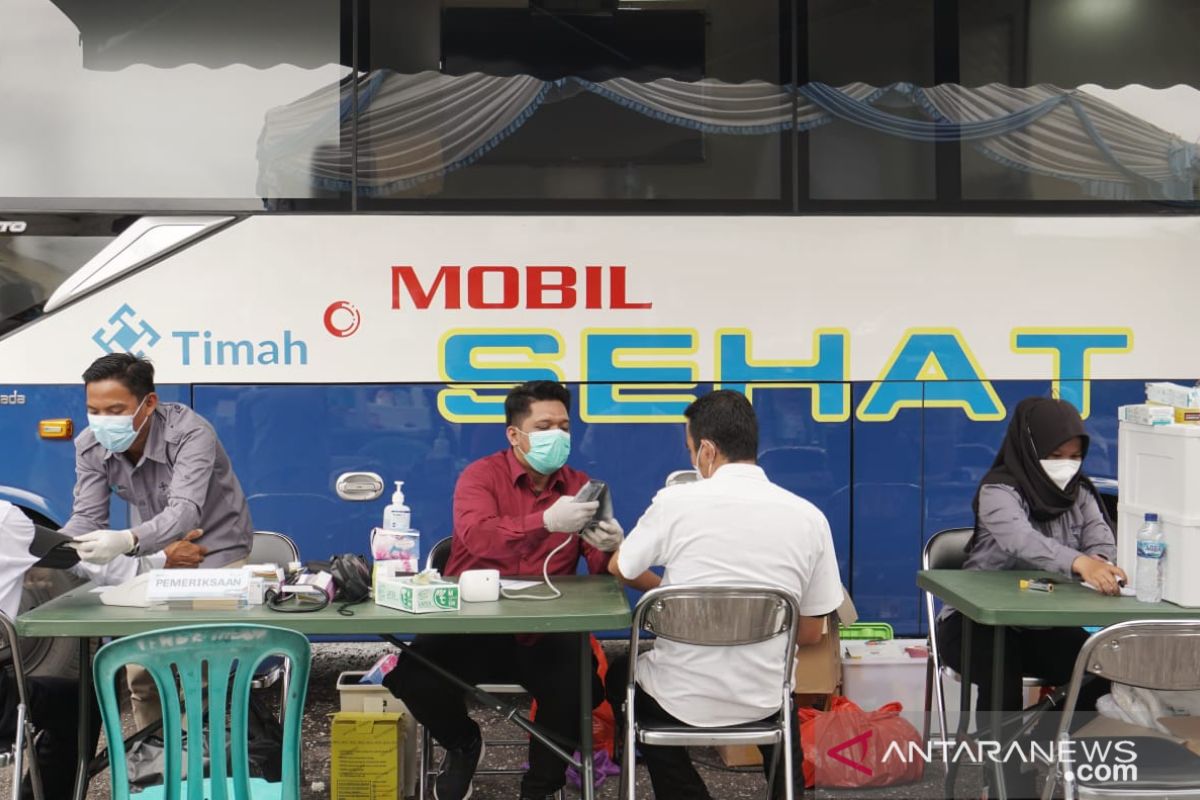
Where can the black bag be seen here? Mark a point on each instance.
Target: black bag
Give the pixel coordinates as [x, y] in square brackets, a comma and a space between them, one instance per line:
[264, 748]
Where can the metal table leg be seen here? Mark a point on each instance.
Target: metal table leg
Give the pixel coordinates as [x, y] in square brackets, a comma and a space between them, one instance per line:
[85, 718]
[587, 785]
[964, 702]
[997, 704]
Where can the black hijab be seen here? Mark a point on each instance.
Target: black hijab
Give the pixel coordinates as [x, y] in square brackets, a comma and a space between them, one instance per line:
[1038, 426]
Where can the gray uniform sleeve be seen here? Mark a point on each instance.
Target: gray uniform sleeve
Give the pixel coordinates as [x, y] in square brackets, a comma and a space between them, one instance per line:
[185, 496]
[89, 510]
[1096, 538]
[1004, 515]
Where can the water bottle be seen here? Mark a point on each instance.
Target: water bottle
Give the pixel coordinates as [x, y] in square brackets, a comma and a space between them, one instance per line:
[1150, 551]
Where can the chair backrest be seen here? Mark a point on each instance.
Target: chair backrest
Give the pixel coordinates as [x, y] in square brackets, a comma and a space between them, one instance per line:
[439, 555]
[946, 549]
[1147, 653]
[682, 476]
[187, 655]
[269, 547]
[718, 616]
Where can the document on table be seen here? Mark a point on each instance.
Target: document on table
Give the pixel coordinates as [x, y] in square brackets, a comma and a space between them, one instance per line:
[518, 585]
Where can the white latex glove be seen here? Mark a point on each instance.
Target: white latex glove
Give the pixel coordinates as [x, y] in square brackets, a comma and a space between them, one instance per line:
[605, 535]
[568, 516]
[101, 547]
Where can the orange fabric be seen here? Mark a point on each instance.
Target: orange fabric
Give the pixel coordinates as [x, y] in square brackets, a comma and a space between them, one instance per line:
[604, 724]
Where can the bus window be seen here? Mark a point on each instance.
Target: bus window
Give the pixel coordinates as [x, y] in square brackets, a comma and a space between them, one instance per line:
[32, 266]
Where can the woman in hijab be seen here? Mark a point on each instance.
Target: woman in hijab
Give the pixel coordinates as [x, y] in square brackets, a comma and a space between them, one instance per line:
[1036, 510]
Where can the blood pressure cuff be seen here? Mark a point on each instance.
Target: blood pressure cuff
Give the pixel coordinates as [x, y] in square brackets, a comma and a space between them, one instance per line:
[52, 549]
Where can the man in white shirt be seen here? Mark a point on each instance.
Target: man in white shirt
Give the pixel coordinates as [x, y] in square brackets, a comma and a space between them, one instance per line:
[732, 526]
[53, 701]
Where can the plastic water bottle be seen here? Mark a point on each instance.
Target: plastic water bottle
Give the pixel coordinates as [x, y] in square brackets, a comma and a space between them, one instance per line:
[1150, 551]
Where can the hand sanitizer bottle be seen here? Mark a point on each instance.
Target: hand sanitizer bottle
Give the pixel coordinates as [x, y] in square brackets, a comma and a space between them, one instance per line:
[397, 516]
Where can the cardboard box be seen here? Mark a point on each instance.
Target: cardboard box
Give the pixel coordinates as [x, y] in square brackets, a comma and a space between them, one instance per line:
[367, 758]
[375, 699]
[417, 598]
[818, 671]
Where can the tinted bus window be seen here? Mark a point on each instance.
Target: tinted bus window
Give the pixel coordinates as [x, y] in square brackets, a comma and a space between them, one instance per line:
[32, 265]
[132, 105]
[613, 103]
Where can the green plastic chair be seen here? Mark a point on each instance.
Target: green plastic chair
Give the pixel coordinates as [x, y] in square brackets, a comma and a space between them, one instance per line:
[191, 652]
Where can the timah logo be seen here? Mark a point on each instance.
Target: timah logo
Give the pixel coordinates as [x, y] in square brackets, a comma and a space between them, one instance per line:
[126, 332]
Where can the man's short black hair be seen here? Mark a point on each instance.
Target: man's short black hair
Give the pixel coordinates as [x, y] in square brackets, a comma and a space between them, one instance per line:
[520, 398]
[134, 373]
[727, 420]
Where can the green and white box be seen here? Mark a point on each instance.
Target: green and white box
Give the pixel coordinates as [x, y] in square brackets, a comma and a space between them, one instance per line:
[417, 598]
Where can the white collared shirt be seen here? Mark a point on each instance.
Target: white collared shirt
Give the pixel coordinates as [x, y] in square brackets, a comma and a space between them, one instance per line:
[16, 533]
[735, 527]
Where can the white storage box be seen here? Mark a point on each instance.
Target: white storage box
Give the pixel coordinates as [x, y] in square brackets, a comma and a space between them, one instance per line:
[877, 673]
[375, 699]
[1182, 559]
[1158, 469]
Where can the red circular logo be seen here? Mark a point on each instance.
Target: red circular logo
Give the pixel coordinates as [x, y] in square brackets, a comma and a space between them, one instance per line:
[342, 319]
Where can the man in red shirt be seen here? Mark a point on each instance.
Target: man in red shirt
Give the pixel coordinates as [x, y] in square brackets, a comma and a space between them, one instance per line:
[511, 510]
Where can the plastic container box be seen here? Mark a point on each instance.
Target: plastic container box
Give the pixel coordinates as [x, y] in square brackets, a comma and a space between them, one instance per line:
[875, 673]
[1158, 469]
[1182, 559]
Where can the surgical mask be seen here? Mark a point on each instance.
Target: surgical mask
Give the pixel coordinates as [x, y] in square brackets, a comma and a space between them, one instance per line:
[1060, 470]
[696, 465]
[548, 450]
[116, 433]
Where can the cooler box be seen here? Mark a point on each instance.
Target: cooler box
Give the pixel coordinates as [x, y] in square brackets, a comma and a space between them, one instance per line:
[374, 699]
[1159, 471]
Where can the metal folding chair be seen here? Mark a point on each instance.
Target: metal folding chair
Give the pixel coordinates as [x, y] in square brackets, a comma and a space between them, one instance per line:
[437, 559]
[269, 547]
[22, 746]
[1146, 653]
[946, 549]
[714, 616]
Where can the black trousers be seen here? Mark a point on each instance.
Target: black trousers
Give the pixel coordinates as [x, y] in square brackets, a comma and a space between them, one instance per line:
[1047, 654]
[547, 667]
[672, 774]
[54, 709]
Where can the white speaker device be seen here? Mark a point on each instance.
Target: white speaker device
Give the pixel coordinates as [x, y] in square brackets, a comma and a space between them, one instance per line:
[479, 585]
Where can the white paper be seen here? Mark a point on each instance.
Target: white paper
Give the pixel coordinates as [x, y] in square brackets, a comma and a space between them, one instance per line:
[518, 585]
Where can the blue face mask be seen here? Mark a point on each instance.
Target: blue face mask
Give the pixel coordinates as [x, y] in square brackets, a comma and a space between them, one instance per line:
[116, 433]
[548, 450]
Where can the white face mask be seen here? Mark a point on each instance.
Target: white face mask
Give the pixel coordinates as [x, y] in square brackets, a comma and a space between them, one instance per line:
[1060, 470]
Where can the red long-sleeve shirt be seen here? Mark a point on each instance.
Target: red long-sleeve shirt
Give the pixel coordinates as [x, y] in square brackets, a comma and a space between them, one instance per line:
[498, 521]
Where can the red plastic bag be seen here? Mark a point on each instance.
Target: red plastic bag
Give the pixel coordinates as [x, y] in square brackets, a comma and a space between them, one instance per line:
[604, 724]
[848, 748]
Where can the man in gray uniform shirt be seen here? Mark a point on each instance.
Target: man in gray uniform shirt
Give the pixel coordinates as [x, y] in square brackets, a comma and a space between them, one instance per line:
[166, 461]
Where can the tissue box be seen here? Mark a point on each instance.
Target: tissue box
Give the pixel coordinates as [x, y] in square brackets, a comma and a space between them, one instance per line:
[402, 547]
[1146, 414]
[1172, 394]
[417, 598]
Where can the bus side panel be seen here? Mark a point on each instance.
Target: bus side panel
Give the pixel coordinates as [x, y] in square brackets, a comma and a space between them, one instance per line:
[887, 516]
[39, 474]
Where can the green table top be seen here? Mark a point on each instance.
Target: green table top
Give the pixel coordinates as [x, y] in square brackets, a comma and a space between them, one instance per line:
[995, 598]
[589, 603]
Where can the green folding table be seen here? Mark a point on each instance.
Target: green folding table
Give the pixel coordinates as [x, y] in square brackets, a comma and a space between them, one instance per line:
[588, 603]
[995, 598]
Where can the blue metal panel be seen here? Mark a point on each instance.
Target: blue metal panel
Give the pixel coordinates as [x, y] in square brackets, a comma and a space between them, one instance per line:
[886, 517]
[39, 474]
[809, 458]
[958, 451]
